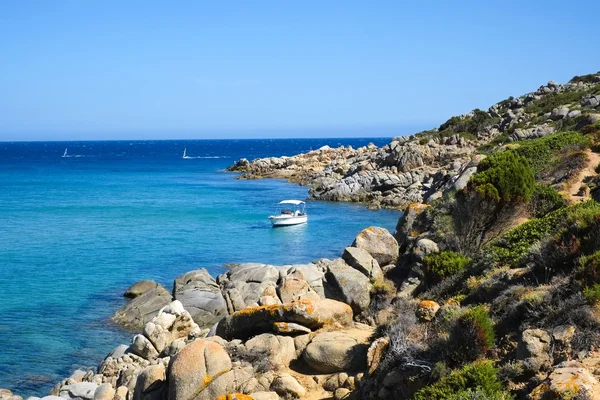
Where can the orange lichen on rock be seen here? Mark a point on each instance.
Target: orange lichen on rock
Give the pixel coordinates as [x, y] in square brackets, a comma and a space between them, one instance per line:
[427, 309]
[236, 396]
[417, 207]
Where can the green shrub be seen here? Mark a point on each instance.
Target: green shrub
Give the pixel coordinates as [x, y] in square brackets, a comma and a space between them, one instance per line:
[445, 263]
[592, 294]
[589, 78]
[504, 177]
[479, 376]
[550, 101]
[472, 336]
[511, 247]
[544, 153]
[469, 125]
[497, 141]
[544, 200]
[589, 269]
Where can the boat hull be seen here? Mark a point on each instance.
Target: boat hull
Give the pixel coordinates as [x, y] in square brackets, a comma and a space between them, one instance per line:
[287, 221]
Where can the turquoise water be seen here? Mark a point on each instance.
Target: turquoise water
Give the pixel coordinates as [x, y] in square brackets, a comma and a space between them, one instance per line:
[75, 232]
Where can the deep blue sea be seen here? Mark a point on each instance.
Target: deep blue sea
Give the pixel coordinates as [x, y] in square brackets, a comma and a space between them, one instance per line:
[76, 231]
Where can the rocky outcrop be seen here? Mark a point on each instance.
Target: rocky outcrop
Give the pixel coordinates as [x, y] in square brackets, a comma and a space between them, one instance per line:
[362, 261]
[534, 350]
[244, 284]
[402, 172]
[199, 293]
[348, 285]
[139, 288]
[140, 310]
[343, 350]
[420, 168]
[199, 371]
[261, 319]
[570, 380]
[379, 243]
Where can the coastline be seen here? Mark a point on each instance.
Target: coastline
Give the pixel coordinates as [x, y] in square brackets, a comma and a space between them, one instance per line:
[301, 304]
[459, 300]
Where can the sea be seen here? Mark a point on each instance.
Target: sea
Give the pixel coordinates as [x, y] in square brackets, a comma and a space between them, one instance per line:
[77, 230]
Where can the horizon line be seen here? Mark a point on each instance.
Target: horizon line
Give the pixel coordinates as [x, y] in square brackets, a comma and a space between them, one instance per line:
[204, 139]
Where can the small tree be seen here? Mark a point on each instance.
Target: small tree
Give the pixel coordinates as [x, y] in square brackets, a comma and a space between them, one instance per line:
[493, 197]
[472, 336]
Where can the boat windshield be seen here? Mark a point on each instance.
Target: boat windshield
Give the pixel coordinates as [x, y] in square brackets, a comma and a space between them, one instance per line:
[295, 211]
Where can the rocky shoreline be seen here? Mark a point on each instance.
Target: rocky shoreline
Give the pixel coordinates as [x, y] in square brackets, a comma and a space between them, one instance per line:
[256, 332]
[490, 292]
[420, 168]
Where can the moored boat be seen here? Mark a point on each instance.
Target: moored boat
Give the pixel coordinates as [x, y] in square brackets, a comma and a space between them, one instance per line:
[291, 212]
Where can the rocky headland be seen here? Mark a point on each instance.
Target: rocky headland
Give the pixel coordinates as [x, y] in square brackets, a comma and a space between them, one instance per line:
[419, 168]
[488, 289]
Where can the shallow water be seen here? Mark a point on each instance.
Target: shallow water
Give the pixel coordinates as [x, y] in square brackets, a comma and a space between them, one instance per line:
[76, 231]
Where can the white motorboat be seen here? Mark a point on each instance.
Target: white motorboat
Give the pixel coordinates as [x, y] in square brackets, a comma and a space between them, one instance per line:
[291, 212]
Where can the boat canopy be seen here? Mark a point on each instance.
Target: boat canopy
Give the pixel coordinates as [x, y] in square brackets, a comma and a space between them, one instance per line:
[295, 202]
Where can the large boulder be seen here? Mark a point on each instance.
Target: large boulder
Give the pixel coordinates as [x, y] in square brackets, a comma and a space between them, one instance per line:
[200, 296]
[294, 287]
[104, 392]
[424, 247]
[534, 350]
[568, 381]
[195, 372]
[260, 319]
[151, 383]
[83, 390]
[379, 243]
[243, 284]
[338, 351]
[139, 288]
[361, 260]
[279, 351]
[287, 386]
[411, 224]
[173, 322]
[349, 285]
[312, 274]
[136, 313]
[559, 113]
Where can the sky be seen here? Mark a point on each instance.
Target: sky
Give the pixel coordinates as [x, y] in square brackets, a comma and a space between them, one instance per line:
[82, 69]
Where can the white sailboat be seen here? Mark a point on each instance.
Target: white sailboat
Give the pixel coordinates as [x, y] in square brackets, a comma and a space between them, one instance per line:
[65, 155]
[185, 154]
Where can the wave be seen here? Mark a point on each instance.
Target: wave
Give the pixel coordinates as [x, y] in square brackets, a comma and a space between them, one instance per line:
[189, 157]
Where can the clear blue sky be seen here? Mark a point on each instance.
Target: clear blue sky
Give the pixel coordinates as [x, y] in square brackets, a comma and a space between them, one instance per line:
[192, 69]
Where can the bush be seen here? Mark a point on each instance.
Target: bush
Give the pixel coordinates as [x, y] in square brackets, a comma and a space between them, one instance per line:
[492, 199]
[550, 101]
[505, 177]
[446, 263]
[472, 336]
[589, 269]
[469, 125]
[406, 337]
[592, 294]
[512, 247]
[544, 200]
[589, 78]
[544, 153]
[481, 377]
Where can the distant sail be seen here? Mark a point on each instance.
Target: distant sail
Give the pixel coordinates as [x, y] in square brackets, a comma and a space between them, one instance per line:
[65, 154]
